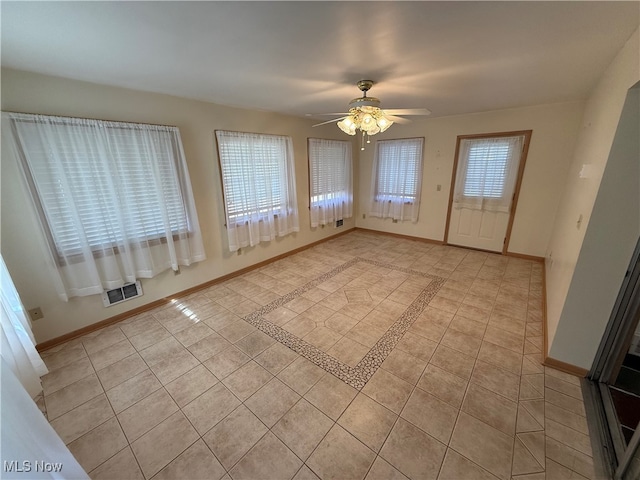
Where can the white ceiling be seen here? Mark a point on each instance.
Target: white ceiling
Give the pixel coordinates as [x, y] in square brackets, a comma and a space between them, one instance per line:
[301, 57]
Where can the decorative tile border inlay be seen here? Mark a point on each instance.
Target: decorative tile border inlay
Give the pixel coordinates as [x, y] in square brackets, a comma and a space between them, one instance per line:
[359, 375]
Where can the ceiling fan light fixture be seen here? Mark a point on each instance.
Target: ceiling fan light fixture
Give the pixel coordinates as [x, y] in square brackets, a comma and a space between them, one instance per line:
[384, 123]
[348, 125]
[368, 119]
[373, 129]
[367, 123]
[366, 116]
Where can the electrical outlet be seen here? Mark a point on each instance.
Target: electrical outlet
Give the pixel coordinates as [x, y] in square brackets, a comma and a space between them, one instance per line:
[35, 313]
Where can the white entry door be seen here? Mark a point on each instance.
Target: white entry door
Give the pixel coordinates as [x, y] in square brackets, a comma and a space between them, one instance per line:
[483, 200]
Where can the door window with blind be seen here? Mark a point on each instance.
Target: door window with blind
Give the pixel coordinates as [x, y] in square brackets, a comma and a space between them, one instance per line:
[487, 172]
[114, 198]
[397, 179]
[258, 180]
[330, 179]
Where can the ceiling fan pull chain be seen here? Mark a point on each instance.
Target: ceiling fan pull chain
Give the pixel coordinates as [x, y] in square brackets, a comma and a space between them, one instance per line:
[362, 141]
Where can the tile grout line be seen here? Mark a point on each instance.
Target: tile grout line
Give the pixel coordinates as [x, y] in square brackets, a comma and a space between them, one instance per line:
[467, 391]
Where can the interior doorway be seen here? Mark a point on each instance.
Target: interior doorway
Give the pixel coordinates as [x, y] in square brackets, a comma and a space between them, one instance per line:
[486, 179]
[613, 384]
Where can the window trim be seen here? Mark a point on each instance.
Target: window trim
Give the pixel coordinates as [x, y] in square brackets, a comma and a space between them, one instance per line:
[96, 251]
[516, 191]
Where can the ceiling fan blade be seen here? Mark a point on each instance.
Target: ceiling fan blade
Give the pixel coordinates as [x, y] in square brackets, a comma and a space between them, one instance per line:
[400, 120]
[328, 121]
[323, 114]
[408, 111]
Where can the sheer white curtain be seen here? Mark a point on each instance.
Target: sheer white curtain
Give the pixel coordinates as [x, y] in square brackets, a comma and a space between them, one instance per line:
[397, 179]
[26, 436]
[258, 179]
[18, 345]
[114, 199]
[487, 171]
[330, 171]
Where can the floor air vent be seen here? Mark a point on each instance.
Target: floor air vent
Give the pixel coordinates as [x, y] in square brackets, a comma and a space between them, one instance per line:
[122, 294]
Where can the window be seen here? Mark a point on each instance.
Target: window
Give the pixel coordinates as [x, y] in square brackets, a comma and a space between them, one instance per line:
[330, 170]
[258, 180]
[486, 172]
[397, 177]
[105, 189]
[78, 171]
[487, 163]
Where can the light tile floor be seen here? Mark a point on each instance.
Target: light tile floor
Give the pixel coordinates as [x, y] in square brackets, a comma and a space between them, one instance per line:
[434, 354]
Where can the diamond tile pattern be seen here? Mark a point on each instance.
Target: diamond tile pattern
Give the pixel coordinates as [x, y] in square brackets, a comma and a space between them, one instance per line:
[366, 356]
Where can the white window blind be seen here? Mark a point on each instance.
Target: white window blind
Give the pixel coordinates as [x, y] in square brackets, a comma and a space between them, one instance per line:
[397, 177]
[258, 180]
[330, 178]
[107, 189]
[486, 173]
[251, 186]
[80, 173]
[486, 168]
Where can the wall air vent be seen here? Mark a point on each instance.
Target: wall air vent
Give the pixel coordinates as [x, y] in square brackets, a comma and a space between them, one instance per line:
[121, 294]
[339, 223]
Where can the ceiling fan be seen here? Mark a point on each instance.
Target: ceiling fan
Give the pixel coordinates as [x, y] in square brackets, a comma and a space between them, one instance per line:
[366, 115]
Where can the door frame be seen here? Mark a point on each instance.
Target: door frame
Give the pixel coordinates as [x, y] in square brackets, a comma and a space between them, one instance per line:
[516, 192]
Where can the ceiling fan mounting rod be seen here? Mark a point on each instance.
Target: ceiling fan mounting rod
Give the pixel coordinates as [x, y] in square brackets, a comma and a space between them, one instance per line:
[364, 86]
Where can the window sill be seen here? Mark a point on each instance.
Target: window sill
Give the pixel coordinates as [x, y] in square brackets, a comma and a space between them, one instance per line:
[110, 250]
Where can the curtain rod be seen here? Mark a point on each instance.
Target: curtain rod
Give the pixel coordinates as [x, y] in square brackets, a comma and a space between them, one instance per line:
[86, 118]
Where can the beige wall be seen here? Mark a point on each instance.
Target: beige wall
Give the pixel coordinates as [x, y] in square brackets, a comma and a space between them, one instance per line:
[21, 243]
[582, 316]
[555, 129]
